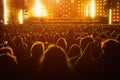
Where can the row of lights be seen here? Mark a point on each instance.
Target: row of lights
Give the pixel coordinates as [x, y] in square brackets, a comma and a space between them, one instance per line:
[38, 6]
[58, 1]
[116, 13]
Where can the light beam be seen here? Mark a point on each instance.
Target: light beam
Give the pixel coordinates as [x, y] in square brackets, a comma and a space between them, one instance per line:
[39, 10]
[21, 17]
[92, 8]
[86, 11]
[110, 16]
[5, 12]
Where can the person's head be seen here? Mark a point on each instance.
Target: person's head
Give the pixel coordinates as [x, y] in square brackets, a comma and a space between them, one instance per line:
[110, 47]
[74, 50]
[6, 49]
[56, 37]
[8, 63]
[85, 41]
[18, 40]
[62, 43]
[7, 60]
[8, 66]
[78, 40]
[55, 61]
[111, 54]
[37, 49]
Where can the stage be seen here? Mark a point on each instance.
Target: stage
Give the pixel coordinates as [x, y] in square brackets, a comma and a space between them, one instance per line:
[99, 20]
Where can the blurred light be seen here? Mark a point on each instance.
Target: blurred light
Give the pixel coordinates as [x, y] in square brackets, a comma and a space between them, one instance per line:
[72, 1]
[39, 10]
[1, 21]
[57, 1]
[26, 16]
[86, 11]
[5, 12]
[110, 16]
[21, 16]
[117, 16]
[117, 13]
[92, 8]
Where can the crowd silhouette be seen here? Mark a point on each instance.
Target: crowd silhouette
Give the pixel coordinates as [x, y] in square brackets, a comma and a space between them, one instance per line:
[59, 52]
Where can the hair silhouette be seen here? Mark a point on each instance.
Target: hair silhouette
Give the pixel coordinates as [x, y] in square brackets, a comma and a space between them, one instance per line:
[55, 64]
[37, 49]
[62, 43]
[8, 65]
[74, 52]
[6, 49]
[85, 41]
[111, 58]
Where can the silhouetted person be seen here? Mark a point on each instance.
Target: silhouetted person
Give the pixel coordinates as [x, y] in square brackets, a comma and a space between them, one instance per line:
[94, 50]
[55, 64]
[7, 49]
[78, 39]
[62, 43]
[31, 66]
[21, 50]
[86, 67]
[74, 52]
[8, 65]
[56, 37]
[85, 41]
[111, 59]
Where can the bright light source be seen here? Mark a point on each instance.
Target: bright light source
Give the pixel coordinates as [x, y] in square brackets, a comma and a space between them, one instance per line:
[92, 8]
[21, 16]
[5, 12]
[110, 16]
[72, 1]
[39, 10]
[86, 11]
[57, 1]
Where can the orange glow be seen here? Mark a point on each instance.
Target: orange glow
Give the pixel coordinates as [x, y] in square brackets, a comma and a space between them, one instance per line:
[92, 8]
[39, 9]
[72, 1]
[5, 12]
[86, 11]
[21, 16]
[110, 16]
[57, 1]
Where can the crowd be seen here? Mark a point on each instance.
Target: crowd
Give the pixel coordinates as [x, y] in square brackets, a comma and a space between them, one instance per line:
[59, 52]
